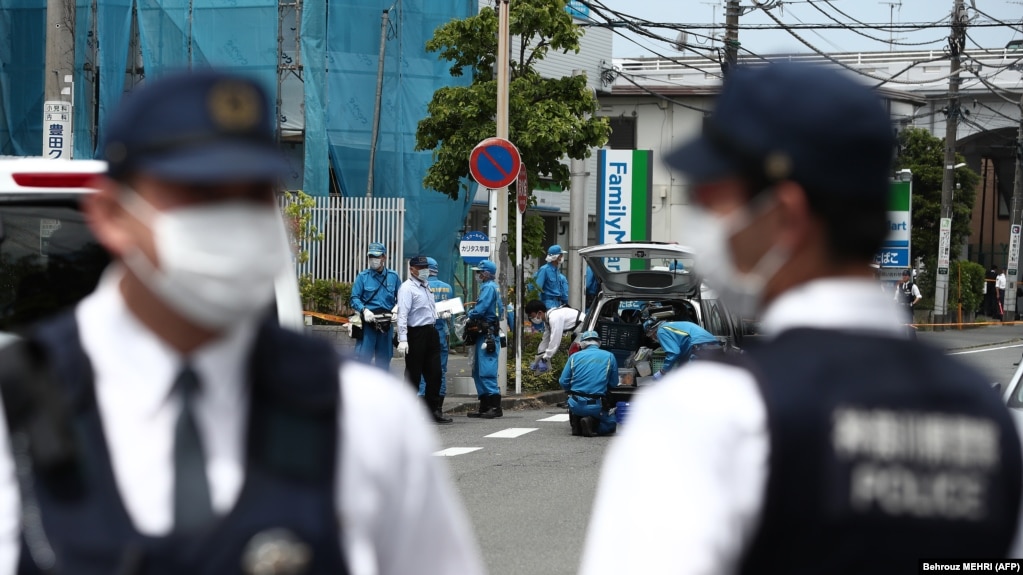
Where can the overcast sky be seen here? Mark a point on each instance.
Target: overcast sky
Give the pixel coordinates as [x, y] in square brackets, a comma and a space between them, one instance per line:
[799, 12]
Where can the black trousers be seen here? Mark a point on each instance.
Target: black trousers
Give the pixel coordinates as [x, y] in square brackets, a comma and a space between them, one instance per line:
[423, 361]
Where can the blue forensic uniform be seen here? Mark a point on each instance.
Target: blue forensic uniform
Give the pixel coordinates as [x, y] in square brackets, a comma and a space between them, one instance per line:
[378, 292]
[592, 286]
[441, 291]
[484, 369]
[553, 286]
[678, 339]
[587, 376]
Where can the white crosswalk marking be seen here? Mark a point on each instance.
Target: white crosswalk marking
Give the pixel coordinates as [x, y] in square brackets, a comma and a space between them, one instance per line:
[453, 451]
[559, 417]
[512, 432]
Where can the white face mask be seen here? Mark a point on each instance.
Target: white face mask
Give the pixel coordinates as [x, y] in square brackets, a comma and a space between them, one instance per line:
[536, 320]
[709, 236]
[217, 262]
[374, 264]
[423, 274]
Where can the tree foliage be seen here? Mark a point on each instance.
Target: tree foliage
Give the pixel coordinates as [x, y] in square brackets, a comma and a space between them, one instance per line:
[924, 154]
[549, 119]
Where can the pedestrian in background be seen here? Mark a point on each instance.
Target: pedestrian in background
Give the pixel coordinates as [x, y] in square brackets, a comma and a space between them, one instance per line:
[441, 292]
[907, 294]
[587, 377]
[374, 295]
[832, 446]
[181, 429]
[991, 292]
[550, 281]
[418, 341]
[484, 355]
[681, 342]
[1000, 283]
[557, 323]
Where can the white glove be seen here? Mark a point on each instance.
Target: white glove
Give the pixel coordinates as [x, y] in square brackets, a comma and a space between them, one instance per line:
[445, 315]
[368, 317]
[658, 375]
[402, 348]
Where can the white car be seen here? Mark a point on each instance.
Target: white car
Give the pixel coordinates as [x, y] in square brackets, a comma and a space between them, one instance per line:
[49, 259]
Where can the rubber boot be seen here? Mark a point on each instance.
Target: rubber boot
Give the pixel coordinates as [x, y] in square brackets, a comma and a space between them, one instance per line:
[493, 407]
[588, 426]
[573, 421]
[481, 409]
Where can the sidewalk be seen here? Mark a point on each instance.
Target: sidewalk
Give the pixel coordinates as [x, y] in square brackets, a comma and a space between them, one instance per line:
[956, 339]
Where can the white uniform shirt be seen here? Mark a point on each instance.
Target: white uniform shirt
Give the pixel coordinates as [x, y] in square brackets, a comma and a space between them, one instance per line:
[683, 485]
[395, 502]
[1000, 281]
[559, 321]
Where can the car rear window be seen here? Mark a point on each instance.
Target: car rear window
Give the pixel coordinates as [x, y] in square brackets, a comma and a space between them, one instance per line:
[49, 260]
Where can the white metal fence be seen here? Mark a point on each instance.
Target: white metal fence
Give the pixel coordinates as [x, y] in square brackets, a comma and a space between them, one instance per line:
[348, 226]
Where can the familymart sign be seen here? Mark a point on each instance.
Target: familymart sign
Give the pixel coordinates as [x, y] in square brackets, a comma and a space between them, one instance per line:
[623, 196]
[894, 251]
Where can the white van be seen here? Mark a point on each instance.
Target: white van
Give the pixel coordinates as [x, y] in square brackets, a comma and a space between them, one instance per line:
[48, 257]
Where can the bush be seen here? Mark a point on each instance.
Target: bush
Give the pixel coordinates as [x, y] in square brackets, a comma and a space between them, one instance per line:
[325, 296]
[971, 291]
[537, 382]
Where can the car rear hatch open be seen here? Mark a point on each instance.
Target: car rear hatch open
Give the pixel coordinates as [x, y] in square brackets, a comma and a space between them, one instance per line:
[643, 269]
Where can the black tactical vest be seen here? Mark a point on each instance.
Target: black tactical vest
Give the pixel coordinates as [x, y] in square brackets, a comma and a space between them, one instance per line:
[882, 451]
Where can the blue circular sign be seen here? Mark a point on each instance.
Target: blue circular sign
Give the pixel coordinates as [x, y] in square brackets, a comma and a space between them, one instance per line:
[474, 247]
[494, 163]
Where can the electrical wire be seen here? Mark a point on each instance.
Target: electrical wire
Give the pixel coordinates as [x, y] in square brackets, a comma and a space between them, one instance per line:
[865, 35]
[625, 76]
[890, 26]
[990, 17]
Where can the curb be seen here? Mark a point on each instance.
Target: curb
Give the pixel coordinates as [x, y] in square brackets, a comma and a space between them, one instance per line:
[532, 401]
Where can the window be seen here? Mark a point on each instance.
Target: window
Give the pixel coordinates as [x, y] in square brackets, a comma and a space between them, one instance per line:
[623, 133]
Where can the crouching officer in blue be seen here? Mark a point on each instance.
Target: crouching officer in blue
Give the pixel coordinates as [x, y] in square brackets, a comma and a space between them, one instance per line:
[486, 346]
[837, 444]
[167, 423]
[374, 296]
[587, 377]
[441, 292]
[681, 341]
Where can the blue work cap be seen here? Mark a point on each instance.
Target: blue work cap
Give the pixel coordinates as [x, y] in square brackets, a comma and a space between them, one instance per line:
[589, 335]
[554, 250]
[433, 266]
[202, 127]
[486, 266]
[377, 249]
[807, 123]
[650, 326]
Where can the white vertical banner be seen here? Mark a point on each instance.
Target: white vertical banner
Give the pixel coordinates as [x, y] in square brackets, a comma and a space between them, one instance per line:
[1014, 250]
[944, 245]
[614, 204]
[57, 130]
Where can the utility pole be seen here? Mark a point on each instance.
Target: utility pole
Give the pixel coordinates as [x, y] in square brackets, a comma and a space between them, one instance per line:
[732, 12]
[384, 19]
[577, 229]
[1012, 276]
[956, 43]
[60, 68]
[499, 198]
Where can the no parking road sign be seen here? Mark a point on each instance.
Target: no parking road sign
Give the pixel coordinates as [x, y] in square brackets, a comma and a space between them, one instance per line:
[494, 163]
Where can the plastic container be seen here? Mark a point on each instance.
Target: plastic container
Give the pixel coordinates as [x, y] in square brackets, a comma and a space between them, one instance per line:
[643, 367]
[621, 411]
[627, 377]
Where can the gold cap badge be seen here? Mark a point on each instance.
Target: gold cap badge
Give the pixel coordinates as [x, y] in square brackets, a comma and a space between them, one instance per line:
[234, 105]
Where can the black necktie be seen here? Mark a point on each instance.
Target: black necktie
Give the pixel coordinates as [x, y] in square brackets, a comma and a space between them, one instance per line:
[192, 507]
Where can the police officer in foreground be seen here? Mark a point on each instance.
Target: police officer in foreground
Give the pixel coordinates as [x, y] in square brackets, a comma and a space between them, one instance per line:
[485, 353]
[441, 292]
[588, 375]
[374, 295]
[838, 445]
[418, 341]
[179, 428]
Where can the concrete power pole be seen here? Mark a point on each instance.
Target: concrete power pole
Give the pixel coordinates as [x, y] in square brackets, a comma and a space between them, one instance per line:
[956, 43]
[57, 87]
[732, 12]
[499, 198]
[578, 228]
[1012, 276]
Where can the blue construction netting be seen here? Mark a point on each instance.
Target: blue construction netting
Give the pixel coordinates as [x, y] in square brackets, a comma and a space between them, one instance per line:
[411, 75]
[22, 58]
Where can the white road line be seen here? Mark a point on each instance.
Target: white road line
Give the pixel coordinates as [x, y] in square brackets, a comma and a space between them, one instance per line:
[512, 432]
[986, 349]
[559, 417]
[453, 451]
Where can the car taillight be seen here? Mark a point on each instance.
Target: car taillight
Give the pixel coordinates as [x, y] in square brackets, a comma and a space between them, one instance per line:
[573, 348]
[51, 180]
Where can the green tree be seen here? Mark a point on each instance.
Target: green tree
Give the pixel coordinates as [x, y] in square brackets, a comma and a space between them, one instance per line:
[549, 119]
[924, 154]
